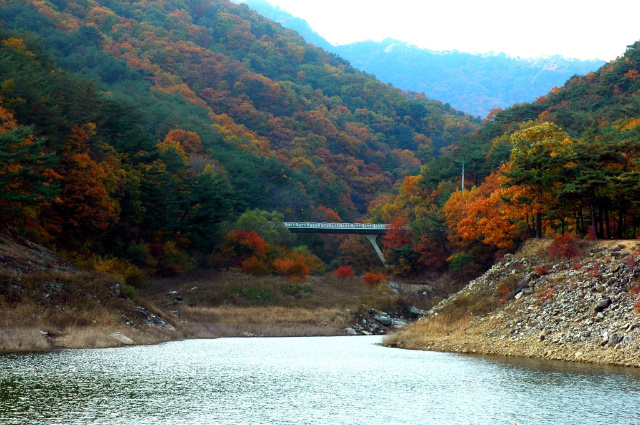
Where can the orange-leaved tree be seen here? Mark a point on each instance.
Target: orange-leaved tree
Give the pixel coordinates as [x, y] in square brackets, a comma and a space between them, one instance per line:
[26, 179]
[481, 214]
[85, 206]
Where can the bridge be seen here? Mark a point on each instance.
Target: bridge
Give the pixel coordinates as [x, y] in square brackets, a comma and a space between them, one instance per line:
[368, 230]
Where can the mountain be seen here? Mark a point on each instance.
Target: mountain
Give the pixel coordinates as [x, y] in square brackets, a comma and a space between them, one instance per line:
[474, 83]
[144, 129]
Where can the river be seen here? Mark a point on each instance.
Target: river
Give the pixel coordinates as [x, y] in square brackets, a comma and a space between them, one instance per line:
[324, 380]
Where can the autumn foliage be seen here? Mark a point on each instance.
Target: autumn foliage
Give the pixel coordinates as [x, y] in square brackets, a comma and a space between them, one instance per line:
[174, 118]
[344, 272]
[564, 246]
[374, 278]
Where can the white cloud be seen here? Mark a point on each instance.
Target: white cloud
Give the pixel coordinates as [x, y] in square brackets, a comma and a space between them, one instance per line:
[546, 27]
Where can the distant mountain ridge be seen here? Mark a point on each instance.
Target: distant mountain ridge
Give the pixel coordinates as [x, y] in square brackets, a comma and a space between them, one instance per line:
[474, 83]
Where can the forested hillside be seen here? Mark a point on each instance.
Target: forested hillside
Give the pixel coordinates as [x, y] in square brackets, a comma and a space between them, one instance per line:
[565, 165]
[474, 83]
[130, 127]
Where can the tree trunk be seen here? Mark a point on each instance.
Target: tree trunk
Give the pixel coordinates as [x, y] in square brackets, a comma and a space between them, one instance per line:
[620, 224]
[580, 220]
[594, 222]
[539, 225]
[606, 223]
[600, 224]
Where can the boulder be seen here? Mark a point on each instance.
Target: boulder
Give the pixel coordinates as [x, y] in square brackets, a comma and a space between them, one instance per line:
[350, 331]
[603, 304]
[383, 320]
[122, 338]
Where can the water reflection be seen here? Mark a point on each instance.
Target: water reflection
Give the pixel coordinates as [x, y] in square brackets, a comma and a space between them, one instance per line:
[338, 380]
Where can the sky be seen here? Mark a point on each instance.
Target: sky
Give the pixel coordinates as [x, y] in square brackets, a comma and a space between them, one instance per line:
[574, 29]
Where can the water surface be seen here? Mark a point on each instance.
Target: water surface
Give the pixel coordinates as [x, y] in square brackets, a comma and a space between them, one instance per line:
[324, 380]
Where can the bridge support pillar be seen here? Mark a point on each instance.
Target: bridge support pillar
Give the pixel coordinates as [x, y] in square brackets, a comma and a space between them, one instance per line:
[373, 240]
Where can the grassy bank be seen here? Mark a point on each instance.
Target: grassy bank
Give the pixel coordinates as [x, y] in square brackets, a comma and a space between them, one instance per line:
[41, 311]
[48, 310]
[210, 303]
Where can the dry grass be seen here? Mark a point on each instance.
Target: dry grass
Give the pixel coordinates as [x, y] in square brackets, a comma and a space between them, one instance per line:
[95, 337]
[418, 335]
[216, 289]
[235, 304]
[265, 315]
[22, 340]
[41, 311]
[101, 337]
[223, 330]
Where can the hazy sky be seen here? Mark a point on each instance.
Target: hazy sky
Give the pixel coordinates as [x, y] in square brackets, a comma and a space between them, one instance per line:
[575, 29]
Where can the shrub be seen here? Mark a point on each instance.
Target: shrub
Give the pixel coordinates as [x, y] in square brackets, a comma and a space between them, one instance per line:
[134, 276]
[547, 293]
[173, 261]
[373, 278]
[564, 246]
[239, 245]
[140, 255]
[129, 292]
[458, 262]
[259, 293]
[542, 270]
[292, 268]
[308, 258]
[506, 286]
[299, 291]
[129, 273]
[256, 266]
[344, 272]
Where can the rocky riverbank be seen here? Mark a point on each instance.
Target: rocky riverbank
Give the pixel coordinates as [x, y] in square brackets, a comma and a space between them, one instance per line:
[583, 309]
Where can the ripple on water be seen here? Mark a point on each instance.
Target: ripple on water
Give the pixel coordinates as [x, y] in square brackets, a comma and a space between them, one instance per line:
[324, 380]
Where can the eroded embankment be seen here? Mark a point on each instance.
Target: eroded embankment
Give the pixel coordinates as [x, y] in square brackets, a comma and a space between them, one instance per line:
[585, 309]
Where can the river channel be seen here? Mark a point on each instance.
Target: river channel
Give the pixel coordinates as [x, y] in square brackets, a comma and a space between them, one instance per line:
[325, 380]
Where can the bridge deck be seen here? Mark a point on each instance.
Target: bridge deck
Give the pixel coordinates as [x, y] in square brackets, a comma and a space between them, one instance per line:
[341, 228]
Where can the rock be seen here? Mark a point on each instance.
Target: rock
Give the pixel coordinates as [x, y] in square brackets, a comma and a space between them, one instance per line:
[350, 331]
[383, 320]
[615, 340]
[416, 311]
[151, 319]
[399, 324]
[116, 290]
[173, 293]
[122, 338]
[603, 305]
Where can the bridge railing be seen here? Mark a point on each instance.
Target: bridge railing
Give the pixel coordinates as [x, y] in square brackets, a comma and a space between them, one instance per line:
[306, 225]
